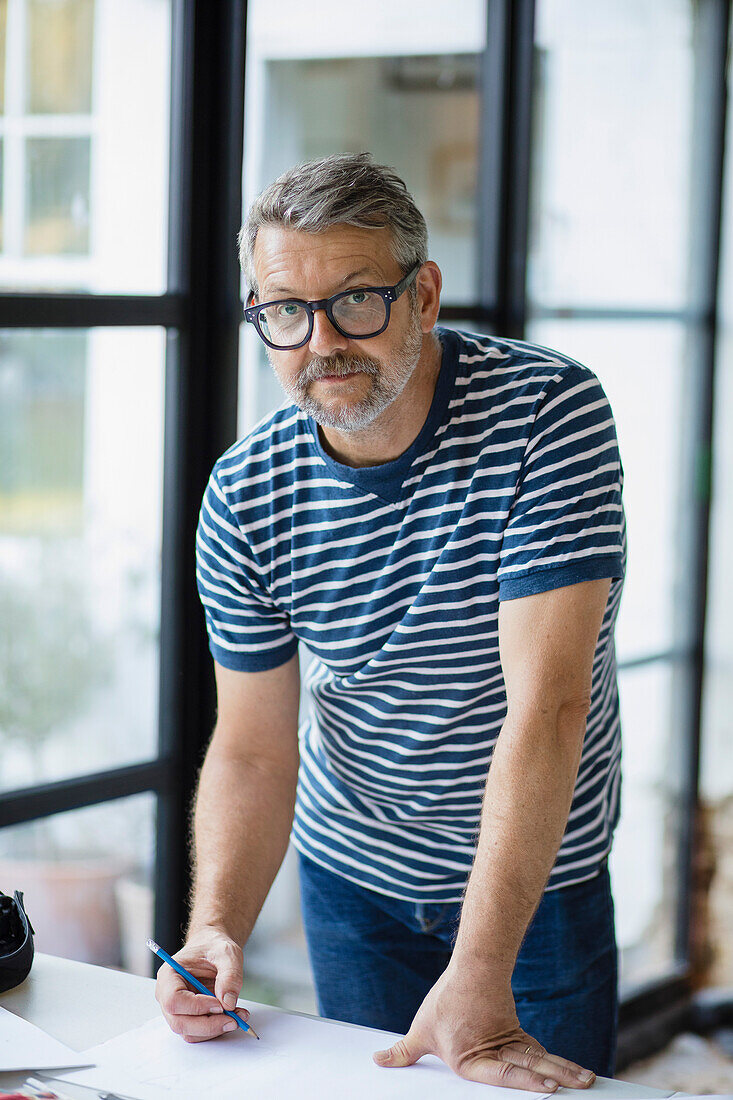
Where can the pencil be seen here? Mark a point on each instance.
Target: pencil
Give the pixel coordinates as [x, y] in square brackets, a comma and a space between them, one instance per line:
[199, 986]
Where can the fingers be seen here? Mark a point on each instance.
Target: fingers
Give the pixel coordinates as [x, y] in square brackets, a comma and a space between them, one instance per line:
[489, 1071]
[549, 1066]
[174, 994]
[405, 1052]
[198, 1029]
[584, 1077]
[183, 1002]
[228, 960]
[516, 1065]
[194, 1016]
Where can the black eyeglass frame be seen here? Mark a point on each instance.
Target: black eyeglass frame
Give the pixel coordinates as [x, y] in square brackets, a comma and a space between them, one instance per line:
[389, 294]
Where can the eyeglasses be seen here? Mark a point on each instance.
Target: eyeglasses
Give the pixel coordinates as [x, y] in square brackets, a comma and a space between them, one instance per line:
[362, 313]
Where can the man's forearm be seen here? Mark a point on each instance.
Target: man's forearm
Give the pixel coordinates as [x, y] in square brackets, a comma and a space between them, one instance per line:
[528, 794]
[242, 822]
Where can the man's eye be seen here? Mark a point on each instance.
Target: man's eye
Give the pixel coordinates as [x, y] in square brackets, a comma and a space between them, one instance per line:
[357, 298]
[288, 309]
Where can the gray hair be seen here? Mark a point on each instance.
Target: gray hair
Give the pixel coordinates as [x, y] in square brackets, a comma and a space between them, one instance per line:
[342, 189]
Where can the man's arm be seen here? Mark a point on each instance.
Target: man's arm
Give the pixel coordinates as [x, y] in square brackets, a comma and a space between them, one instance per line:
[242, 821]
[547, 642]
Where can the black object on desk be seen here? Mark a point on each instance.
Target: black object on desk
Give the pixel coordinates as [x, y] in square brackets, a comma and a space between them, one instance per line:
[16, 941]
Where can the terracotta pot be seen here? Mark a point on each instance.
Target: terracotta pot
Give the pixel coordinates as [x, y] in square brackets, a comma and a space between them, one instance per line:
[71, 904]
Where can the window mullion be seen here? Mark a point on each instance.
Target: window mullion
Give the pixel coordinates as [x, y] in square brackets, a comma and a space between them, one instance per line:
[506, 105]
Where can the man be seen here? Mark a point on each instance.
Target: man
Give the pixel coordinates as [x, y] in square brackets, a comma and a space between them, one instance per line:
[438, 518]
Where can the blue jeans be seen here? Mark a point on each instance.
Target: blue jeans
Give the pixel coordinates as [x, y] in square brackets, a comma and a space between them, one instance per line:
[374, 958]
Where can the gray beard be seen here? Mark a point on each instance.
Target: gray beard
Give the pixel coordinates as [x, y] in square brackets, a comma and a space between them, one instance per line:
[382, 392]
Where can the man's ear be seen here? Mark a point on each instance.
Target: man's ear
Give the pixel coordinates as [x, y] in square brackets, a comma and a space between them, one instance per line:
[429, 285]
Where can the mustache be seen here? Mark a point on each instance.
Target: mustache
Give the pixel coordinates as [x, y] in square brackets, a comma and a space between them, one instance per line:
[338, 365]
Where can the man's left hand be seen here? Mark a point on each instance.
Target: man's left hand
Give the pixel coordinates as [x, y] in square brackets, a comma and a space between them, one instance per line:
[472, 1026]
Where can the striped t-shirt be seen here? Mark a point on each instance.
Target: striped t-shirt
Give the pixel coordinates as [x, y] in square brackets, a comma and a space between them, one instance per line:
[391, 575]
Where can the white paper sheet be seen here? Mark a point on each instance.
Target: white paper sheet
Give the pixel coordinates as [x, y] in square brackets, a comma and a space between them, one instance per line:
[25, 1046]
[296, 1057]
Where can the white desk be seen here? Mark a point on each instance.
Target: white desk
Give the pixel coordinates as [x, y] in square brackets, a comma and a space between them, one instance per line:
[82, 1005]
[79, 1004]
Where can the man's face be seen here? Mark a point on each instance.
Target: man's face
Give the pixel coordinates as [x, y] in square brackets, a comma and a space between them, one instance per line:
[342, 382]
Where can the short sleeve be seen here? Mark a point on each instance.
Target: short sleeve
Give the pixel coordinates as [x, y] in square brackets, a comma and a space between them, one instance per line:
[567, 522]
[247, 631]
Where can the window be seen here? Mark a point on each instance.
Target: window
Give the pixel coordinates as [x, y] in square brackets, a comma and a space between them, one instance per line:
[81, 454]
[611, 157]
[118, 317]
[81, 444]
[83, 145]
[610, 256]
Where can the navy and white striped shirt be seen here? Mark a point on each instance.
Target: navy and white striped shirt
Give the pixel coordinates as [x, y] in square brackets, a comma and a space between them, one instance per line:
[392, 575]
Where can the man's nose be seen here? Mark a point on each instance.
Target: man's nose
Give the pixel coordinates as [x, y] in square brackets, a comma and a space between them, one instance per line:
[325, 339]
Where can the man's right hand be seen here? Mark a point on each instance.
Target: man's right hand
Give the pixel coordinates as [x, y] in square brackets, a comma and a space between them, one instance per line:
[216, 960]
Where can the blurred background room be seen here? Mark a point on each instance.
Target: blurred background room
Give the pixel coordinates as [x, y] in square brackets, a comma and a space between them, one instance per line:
[574, 162]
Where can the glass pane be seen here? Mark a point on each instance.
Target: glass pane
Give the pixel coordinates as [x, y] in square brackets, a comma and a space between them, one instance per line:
[643, 366]
[87, 146]
[42, 390]
[611, 163]
[410, 99]
[86, 876]
[643, 862]
[59, 64]
[419, 115]
[81, 452]
[57, 199]
[3, 41]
